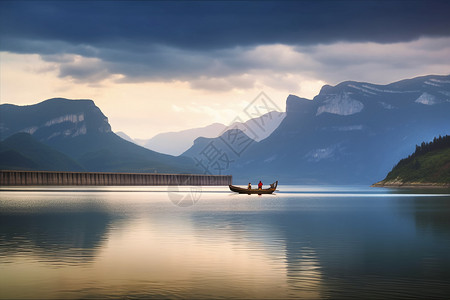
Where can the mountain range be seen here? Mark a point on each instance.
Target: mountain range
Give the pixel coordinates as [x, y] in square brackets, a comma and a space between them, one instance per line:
[176, 143]
[79, 131]
[351, 133]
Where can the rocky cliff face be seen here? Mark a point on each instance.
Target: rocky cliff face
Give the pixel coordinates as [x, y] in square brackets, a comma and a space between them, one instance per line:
[78, 129]
[53, 119]
[353, 132]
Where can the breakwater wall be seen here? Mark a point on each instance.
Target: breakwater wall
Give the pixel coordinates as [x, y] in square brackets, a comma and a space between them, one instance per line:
[13, 178]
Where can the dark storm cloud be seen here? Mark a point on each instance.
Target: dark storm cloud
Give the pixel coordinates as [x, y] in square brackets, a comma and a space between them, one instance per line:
[214, 24]
[179, 40]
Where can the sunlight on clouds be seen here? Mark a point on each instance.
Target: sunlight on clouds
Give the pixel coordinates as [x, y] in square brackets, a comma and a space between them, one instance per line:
[214, 112]
[144, 109]
[310, 88]
[224, 84]
[140, 109]
[24, 78]
[278, 57]
[219, 92]
[84, 69]
[379, 63]
[176, 108]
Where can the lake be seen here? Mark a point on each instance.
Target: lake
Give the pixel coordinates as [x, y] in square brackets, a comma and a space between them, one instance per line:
[309, 242]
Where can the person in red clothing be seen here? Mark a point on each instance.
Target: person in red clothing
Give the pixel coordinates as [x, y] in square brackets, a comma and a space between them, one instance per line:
[260, 185]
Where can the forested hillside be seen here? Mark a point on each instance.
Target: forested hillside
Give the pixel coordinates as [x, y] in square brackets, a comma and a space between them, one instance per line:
[429, 164]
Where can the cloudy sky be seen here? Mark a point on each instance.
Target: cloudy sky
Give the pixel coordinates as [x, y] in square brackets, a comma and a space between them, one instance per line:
[157, 66]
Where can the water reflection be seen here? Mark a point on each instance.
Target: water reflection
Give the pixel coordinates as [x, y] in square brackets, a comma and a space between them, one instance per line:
[175, 257]
[432, 215]
[67, 238]
[301, 244]
[364, 250]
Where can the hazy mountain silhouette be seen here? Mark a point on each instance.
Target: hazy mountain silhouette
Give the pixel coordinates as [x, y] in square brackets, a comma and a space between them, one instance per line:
[126, 137]
[176, 143]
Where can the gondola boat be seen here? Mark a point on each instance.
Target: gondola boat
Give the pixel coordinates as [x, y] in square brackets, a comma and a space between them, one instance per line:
[240, 190]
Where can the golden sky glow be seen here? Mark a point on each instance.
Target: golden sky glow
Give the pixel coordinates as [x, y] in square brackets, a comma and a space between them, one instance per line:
[144, 108]
[139, 109]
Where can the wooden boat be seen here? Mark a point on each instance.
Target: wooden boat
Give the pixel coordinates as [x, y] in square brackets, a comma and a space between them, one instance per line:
[240, 190]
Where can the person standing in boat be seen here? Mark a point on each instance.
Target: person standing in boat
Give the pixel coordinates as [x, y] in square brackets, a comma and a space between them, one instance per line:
[249, 186]
[260, 185]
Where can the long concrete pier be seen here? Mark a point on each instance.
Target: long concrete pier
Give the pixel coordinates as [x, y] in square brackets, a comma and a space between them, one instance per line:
[20, 178]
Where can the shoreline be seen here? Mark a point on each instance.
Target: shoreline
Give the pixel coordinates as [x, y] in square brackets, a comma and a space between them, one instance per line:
[415, 185]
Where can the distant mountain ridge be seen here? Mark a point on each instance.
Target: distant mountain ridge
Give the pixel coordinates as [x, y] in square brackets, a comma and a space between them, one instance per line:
[221, 143]
[351, 133]
[78, 129]
[177, 143]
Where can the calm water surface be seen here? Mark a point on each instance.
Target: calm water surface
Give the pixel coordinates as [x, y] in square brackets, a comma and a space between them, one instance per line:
[190, 242]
